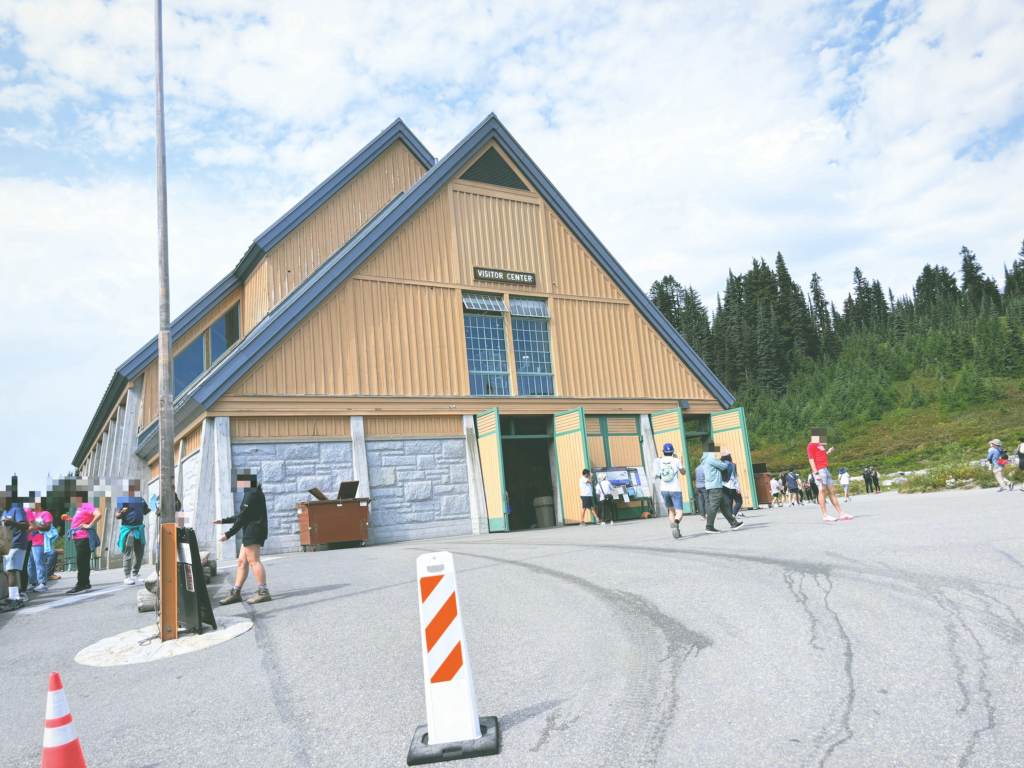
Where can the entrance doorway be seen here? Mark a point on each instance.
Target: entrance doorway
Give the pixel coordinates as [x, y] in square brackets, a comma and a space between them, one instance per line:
[526, 447]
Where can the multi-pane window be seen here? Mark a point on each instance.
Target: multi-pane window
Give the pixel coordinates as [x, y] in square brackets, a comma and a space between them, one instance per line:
[206, 349]
[486, 351]
[531, 345]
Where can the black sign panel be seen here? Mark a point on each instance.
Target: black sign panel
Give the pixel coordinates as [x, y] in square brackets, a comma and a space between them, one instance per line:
[504, 276]
[194, 607]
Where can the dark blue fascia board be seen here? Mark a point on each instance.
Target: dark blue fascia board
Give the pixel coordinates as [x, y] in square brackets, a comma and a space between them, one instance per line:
[344, 263]
[284, 225]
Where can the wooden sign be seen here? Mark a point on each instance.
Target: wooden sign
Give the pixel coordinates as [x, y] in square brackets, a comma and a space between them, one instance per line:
[504, 276]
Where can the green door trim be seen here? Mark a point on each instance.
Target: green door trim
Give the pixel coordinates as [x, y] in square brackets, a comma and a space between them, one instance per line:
[746, 447]
[583, 439]
[495, 525]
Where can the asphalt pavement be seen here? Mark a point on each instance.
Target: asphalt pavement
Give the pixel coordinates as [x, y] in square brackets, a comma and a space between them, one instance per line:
[894, 639]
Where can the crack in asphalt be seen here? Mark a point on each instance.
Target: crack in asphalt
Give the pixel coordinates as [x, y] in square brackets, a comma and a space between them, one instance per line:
[657, 692]
[551, 724]
[796, 588]
[851, 690]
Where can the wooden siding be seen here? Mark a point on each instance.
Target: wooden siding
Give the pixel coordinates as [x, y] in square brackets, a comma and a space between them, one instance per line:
[489, 444]
[256, 299]
[206, 321]
[191, 441]
[501, 233]
[595, 444]
[668, 428]
[150, 395]
[329, 227]
[571, 462]
[370, 338]
[625, 451]
[331, 426]
[421, 250]
[573, 271]
[409, 426]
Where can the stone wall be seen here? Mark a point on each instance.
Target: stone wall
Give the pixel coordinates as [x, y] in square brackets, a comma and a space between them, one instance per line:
[286, 471]
[419, 488]
[187, 492]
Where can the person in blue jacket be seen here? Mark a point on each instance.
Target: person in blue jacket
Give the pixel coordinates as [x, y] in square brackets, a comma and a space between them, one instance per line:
[713, 467]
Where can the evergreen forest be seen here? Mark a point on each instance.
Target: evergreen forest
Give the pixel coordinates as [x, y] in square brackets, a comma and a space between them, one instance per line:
[899, 381]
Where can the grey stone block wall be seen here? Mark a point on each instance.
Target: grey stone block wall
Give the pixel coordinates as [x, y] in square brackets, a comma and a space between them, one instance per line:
[419, 488]
[286, 471]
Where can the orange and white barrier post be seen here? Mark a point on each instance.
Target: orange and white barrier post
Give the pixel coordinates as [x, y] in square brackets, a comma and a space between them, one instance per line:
[61, 748]
[453, 729]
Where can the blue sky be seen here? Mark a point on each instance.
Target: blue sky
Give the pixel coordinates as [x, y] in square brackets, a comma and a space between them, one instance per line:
[692, 137]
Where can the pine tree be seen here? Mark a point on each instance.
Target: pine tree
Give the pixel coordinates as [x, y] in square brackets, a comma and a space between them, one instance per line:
[769, 351]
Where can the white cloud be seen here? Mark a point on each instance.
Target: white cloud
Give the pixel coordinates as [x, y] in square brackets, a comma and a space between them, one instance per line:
[692, 137]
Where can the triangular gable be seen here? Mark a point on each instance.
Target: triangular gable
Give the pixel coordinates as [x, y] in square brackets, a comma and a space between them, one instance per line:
[491, 168]
[304, 299]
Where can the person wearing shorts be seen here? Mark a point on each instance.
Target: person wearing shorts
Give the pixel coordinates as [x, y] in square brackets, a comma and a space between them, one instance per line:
[844, 483]
[17, 522]
[251, 520]
[667, 470]
[775, 493]
[587, 498]
[793, 483]
[818, 458]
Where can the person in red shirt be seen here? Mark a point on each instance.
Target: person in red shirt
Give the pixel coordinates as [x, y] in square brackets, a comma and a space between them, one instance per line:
[39, 522]
[818, 457]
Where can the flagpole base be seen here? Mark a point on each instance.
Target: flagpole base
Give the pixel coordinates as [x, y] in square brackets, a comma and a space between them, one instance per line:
[422, 753]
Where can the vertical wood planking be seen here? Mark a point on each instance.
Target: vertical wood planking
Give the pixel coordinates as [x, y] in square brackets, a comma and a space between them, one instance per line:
[256, 300]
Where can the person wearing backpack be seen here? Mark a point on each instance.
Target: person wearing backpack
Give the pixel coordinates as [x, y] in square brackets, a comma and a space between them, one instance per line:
[668, 469]
[998, 458]
[16, 523]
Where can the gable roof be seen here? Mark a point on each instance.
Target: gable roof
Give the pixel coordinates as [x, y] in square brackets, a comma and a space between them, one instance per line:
[333, 272]
[137, 363]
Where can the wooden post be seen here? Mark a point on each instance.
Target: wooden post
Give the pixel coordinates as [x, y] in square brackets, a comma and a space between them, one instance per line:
[168, 582]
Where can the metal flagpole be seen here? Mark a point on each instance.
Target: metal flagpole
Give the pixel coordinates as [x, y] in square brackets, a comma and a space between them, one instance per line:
[168, 566]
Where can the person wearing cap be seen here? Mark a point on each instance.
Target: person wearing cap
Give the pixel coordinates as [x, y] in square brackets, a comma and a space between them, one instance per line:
[605, 500]
[844, 481]
[668, 469]
[717, 502]
[998, 459]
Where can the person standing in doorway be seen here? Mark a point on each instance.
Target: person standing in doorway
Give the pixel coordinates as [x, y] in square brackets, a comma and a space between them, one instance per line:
[998, 459]
[713, 467]
[844, 483]
[251, 520]
[702, 492]
[132, 538]
[817, 455]
[669, 467]
[587, 498]
[16, 522]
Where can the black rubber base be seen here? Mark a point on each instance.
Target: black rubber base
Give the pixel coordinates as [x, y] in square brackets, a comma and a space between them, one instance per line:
[422, 753]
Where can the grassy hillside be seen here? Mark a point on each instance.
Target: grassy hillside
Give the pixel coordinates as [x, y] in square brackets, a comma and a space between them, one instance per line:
[914, 438]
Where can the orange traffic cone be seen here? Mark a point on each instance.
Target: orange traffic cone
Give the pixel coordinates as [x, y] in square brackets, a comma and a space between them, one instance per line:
[61, 748]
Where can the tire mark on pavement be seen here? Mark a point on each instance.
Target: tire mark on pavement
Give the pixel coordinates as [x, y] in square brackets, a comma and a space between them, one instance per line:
[552, 724]
[657, 680]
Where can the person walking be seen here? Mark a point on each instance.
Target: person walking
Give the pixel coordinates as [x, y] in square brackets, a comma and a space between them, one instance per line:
[40, 523]
[775, 485]
[668, 469]
[16, 522]
[817, 456]
[844, 482]
[731, 485]
[132, 537]
[251, 520]
[605, 499]
[998, 458]
[713, 467]
[587, 498]
[86, 539]
[702, 492]
[793, 484]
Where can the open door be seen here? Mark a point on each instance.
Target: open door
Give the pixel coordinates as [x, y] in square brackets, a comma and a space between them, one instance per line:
[729, 430]
[488, 438]
[572, 457]
[668, 428]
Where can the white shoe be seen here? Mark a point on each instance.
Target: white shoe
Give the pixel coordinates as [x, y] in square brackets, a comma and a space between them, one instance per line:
[611, 522]
[129, 580]
[829, 519]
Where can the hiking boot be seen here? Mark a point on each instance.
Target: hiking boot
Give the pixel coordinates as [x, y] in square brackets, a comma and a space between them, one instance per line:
[234, 596]
[262, 596]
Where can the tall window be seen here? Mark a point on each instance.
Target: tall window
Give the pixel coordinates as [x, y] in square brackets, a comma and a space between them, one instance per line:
[531, 345]
[206, 349]
[485, 344]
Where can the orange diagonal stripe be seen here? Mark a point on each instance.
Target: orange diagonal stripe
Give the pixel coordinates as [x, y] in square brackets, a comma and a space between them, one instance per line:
[441, 621]
[427, 584]
[450, 666]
